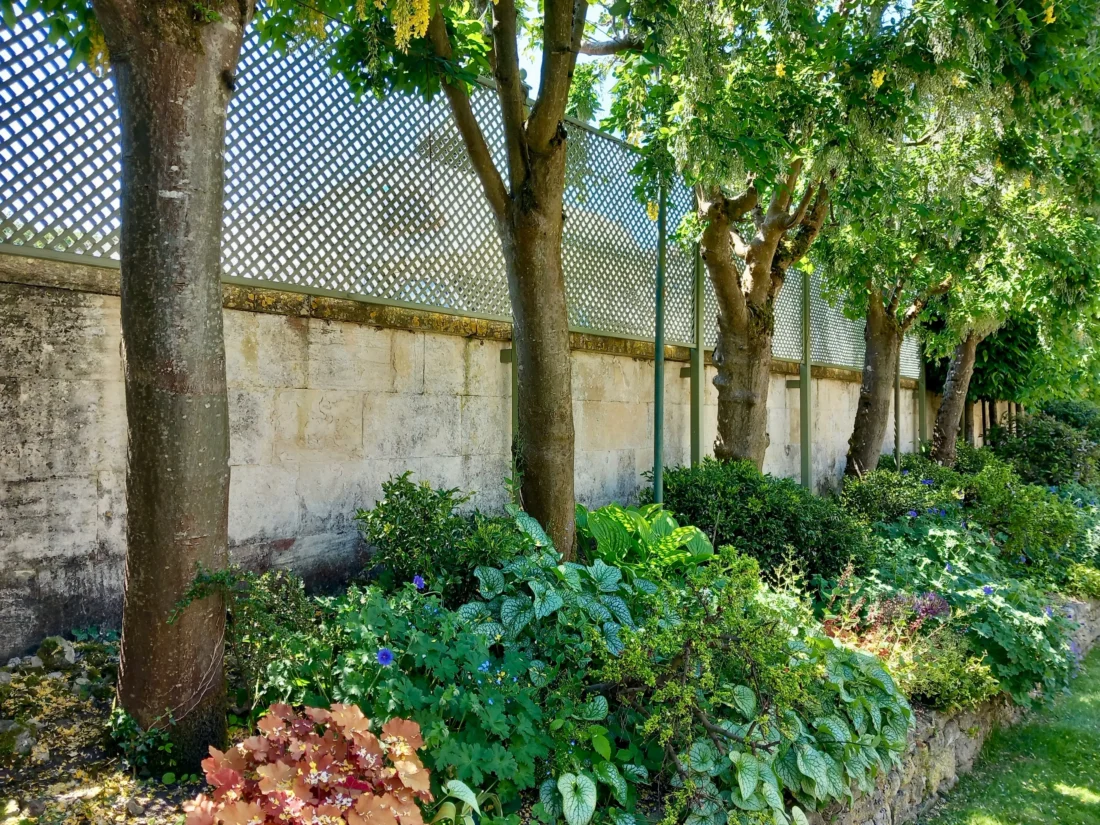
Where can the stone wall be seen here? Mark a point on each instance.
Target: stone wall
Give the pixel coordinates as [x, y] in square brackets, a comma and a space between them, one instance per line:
[942, 747]
[327, 399]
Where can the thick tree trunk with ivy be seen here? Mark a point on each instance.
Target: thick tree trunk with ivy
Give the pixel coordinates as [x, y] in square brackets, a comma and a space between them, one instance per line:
[527, 203]
[945, 435]
[747, 277]
[173, 78]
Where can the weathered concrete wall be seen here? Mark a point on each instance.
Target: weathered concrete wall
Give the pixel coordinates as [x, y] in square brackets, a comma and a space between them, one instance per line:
[322, 412]
[944, 746]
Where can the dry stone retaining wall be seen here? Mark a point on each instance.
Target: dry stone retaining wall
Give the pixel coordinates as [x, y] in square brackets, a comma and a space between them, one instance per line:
[942, 747]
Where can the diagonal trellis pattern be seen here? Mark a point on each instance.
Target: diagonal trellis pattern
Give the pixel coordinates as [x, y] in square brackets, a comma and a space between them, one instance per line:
[368, 199]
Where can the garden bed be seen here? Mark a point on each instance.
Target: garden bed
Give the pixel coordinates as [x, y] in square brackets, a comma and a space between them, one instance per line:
[942, 747]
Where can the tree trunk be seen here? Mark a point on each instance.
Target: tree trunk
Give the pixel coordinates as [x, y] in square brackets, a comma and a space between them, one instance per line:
[882, 335]
[173, 79]
[743, 357]
[532, 238]
[946, 432]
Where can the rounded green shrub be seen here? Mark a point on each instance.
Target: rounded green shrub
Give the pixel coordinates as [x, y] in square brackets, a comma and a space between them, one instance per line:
[770, 519]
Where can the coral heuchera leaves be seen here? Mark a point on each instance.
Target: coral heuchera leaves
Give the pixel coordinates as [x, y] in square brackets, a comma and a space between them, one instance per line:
[321, 764]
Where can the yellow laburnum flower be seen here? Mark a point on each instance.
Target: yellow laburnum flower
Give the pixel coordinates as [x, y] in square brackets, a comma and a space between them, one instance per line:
[652, 210]
[410, 19]
[958, 80]
[878, 76]
[780, 70]
[1048, 14]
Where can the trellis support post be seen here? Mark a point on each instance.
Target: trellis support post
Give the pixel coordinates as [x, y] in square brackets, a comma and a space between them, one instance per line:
[805, 414]
[659, 353]
[698, 369]
[922, 401]
[897, 412]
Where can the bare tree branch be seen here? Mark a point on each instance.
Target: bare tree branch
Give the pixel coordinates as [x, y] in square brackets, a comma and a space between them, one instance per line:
[510, 90]
[467, 124]
[917, 307]
[808, 231]
[562, 31]
[803, 206]
[609, 47]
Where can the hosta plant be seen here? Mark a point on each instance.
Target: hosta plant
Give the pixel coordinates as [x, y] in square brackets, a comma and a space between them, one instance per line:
[646, 540]
[318, 766]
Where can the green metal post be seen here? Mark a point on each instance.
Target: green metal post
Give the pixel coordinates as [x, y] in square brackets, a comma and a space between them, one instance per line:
[922, 401]
[698, 373]
[659, 359]
[897, 412]
[804, 376]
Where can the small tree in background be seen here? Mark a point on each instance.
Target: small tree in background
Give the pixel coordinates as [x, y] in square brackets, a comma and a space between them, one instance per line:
[427, 47]
[762, 108]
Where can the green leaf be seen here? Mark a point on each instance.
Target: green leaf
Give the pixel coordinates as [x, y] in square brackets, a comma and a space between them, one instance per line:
[745, 700]
[538, 673]
[547, 599]
[594, 710]
[551, 801]
[607, 578]
[516, 614]
[578, 798]
[836, 729]
[607, 773]
[493, 631]
[533, 529]
[620, 817]
[798, 816]
[748, 774]
[702, 757]
[473, 612]
[619, 609]
[812, 763]
[613, 637]
[601, 746]
[636, 773]
[460, 790]
[492, 582]
[168, 779]
[771, 795]
[646, 586]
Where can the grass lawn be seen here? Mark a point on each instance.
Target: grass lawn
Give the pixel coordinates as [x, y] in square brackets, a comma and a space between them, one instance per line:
[1045, 771]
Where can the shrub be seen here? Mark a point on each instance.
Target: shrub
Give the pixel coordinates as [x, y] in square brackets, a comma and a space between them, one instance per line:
[1081, 415]
[416, 531]
[750, 710]
[1047, 451]
[1083, 580]
[323, 765]
[1024, 637]
[764, 517]
[645, 539]
[885, 495]
[917, 638]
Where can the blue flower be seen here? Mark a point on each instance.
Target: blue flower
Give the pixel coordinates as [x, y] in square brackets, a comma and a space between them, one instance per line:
[484, 666]
[384, 656]
[490, 701]
[1022, 559]
[419, 582]
[988, 590]
[927, 481]
[913, 514]
[949, 568]
[1049, 612]
[905, 472]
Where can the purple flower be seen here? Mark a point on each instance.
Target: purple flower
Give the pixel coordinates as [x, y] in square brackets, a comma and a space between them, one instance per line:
[988, 590]
[1049, 612]
[905, 472]
[913, 514]
[931, 605]
[949, 568]
[1022, 559]
[927, 481]
[384, 656]
[419, 582]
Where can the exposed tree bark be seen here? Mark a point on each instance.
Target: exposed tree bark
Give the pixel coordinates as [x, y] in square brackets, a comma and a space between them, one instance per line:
[173, 78]
[747, 277]
[529, 212]
[883, 335]
[946, 432]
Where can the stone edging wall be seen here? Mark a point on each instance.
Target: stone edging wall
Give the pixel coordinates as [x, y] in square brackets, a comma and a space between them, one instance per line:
[942, 747]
